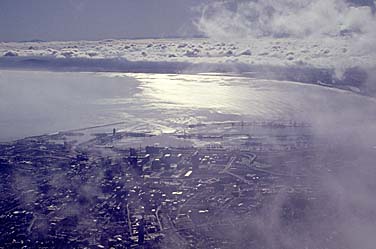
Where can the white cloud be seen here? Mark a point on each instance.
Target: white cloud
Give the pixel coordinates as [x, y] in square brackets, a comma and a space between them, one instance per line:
[241, 19]
[320, 20]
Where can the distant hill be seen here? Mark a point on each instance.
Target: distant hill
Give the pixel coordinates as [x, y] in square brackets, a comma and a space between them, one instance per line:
[34, 40]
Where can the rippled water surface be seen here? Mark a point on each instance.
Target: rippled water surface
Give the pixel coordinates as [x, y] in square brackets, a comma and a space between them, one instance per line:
[33, 103]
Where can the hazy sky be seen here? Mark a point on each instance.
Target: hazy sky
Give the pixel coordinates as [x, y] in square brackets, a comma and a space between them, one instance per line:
[22, 20]
[94, 19]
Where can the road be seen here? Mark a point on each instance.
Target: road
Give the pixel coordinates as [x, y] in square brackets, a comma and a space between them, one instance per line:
[251, 157]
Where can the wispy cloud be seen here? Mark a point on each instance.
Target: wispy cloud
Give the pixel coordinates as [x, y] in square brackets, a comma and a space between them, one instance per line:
[305, 19]
[241, 19]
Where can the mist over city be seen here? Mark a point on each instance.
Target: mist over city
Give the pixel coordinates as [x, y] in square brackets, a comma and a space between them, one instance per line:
[188, 124]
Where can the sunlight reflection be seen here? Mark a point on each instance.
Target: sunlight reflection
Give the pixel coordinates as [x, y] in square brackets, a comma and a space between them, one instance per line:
[228, 94]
